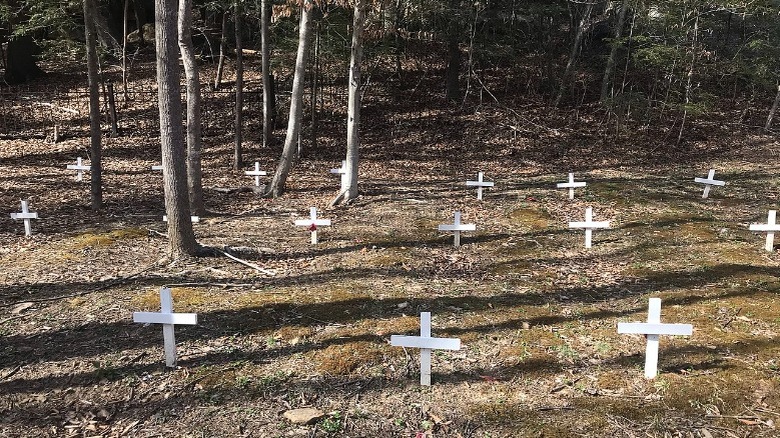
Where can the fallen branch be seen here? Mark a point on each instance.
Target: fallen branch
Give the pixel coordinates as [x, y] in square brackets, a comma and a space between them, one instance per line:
[246, 263]
[15, 317]
[61, 108]
[12, 372]
[211, 284]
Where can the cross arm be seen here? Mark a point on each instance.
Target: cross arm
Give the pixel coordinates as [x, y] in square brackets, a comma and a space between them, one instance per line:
[166, 318]
[461, 227]
[424, 342]
[645, 328]
[712, 182]
[604, 224]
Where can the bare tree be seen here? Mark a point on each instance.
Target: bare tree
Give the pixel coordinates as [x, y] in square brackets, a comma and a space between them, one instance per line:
[613, 51]
[579, 35]
[181, 238]
[222, 49]
[350, 189]
[771, 115]
[239, 109]
[194, 141]
[268, 91]
[276, 188]
[95, 147]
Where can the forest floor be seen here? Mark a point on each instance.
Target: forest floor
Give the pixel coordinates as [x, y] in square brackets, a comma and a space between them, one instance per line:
[535, 311]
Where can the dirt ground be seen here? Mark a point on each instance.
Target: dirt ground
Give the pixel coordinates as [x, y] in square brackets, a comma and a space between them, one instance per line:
[536, 312]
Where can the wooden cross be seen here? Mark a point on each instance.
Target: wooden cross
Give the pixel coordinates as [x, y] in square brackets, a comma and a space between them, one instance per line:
[79, 168]
[770, 227]
[589, 226]
[26, 216]
[313, 223]
[571, 185]
[479, 184]
[426, 344]
[168, 319]
[257, 173]
[709, 182]
[457, 227]
[194, 219]
[653, 329]
[343, 172]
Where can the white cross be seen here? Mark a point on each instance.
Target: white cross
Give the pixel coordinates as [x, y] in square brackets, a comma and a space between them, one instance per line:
[571, 185]
[168, 319]
[479, 184]
[770, 227]
[80, 168]
[313, 223]
[457, 227]
[157, 167]
[257, 173]
[589, 226]
[426, 344]
[26, 216]
[194, 219]
[343, 172]
[653, 329]
[708, 182]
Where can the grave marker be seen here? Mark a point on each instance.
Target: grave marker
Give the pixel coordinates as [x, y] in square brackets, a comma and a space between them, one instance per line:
[479, 184]
[343, 172]
[79, 168]
[709, 182]
[168, 319]
[194, 219]
[769, 227]
[653, 328]
[257, 173]
[571, 185]
[589, 226]
[426, 344]
[313, 223]
[25, 215]
[457, 227]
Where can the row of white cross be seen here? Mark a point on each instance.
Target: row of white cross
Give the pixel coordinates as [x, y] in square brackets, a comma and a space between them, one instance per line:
[653, 329]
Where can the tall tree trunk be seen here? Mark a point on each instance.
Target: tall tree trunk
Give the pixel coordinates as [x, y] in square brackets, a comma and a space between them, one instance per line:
[181, 239]
[194, 141]
[772, 111]
[452, 78]
[222, 49]
[239, 110]
[613, 52]
[95, 148]
[125, 21]
[268, 88]
[350, 189]
[296, 104]
[575, 50]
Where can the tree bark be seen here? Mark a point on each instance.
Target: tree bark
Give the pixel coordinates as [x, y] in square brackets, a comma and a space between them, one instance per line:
[194, 140]
[181, 239]
[239, 109]
[95, 147]
[453, 54]
[613, 52]
[575, 49]
[350, 190]
[125, 25]
[222, 49]
[268, 88]
[772, 111]
[296, 104]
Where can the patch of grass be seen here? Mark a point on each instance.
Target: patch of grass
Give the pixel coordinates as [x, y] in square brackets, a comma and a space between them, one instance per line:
[531, 219]
[184, 299]
[96, 239]
[343, 359]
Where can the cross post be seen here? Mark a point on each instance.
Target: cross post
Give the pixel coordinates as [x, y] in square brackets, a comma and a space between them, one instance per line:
[343, 172]
[709, 182]
[168, 319]
[457, 227]
[589, 225]
[571, 185]
[26, 216]
[426, 344]
[79, 168]
[480, 183]
[312, 223]
[653, 328]
[257, 173]
[770, 227]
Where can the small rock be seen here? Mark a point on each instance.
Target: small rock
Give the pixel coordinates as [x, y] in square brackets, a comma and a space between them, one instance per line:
[403, 305]
[304, 415]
